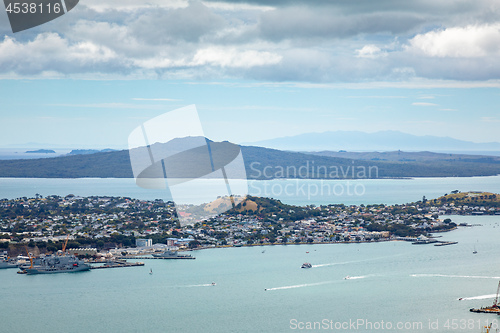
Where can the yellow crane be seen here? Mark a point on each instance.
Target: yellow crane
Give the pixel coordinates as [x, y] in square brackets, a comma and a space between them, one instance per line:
[29, 255]
[65, 243]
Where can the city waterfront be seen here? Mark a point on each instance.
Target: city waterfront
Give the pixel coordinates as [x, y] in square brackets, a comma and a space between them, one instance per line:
[393, 282]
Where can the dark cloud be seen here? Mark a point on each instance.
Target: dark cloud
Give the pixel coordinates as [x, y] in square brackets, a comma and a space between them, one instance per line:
[190, 24]
[303, 22]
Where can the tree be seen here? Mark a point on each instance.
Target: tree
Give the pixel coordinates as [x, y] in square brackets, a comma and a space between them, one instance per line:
[194, 244]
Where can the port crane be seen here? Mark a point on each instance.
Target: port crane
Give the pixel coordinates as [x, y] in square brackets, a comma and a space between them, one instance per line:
[65, 244]
[495, 303]
[29, 255]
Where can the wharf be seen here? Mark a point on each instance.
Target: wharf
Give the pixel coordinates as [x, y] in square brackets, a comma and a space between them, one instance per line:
[164, 258]
[445, 243]
[117, 264]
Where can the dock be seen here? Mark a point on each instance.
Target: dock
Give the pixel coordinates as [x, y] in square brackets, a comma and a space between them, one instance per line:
[117, 264]
[445, 243]
[163, 258]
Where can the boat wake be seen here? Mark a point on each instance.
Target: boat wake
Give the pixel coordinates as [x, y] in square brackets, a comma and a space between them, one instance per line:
[355, 277]
[356, 261]
[199, 285]
[477, 297]
[340, 263]
[300, 285]
[456, 276]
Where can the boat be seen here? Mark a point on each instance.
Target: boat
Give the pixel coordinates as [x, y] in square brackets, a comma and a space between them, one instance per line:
[172, 255]
[495, 308]
[347, 277]
[150, 271]
[306, 265]
[6, 262]
[62, 263]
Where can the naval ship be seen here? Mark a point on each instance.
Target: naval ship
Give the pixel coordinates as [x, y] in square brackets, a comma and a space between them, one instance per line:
[6, 262]
[63, 263]
[172, 255]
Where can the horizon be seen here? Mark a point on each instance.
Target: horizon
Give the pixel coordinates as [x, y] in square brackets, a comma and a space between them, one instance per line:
[59, 146]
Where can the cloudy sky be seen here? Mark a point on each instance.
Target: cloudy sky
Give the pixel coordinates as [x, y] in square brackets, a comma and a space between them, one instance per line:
[255, 69]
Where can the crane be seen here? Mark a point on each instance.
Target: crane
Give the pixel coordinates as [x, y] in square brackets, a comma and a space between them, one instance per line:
[29, 255]
[65, 243]
[495, 304]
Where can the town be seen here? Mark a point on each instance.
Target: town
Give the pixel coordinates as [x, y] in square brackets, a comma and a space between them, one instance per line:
[119, 223]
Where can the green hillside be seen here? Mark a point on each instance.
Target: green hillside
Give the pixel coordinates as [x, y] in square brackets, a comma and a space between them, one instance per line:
[264, 163]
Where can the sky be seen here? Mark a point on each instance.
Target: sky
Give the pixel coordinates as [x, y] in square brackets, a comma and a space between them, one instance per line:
[255, 70]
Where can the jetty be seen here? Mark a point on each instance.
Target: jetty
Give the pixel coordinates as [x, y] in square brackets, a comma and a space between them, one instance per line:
[445, 243]
[147, 258]
[118, 264]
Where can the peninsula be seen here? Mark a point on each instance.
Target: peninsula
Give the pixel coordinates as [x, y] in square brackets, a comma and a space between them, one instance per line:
[42, 223]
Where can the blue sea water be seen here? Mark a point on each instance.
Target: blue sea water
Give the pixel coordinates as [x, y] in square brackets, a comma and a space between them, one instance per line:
[292, 191]
[394, 286]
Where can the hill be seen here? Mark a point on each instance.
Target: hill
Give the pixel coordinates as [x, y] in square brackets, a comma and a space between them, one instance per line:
[378, 141]
[264, 163]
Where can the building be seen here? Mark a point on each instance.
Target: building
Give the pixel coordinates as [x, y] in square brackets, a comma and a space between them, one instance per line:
[143, 242]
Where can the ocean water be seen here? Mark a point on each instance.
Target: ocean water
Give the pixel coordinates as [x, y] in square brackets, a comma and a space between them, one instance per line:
[291, 191]
[392, 283]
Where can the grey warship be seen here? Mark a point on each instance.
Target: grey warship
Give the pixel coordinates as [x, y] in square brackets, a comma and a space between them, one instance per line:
[6, 262]
[64, 263]
[172, 255]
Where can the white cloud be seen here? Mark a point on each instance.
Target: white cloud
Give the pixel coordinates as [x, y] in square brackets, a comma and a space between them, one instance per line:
[157, 99]
[132, 5]
[472, 41]
[310, 41]
[370, 51]
[232, 57]
[48, 52]
[423, 104]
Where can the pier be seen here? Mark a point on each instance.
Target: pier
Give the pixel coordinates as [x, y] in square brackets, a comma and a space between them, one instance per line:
[445, 243]
[117, 264]
[164, 258]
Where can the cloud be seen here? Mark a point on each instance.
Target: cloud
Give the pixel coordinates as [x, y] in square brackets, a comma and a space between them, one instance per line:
[157, 99]
[232, 57]
[163, 26]
[490, 119]
[329, 22]
[49, 52]
[472, 41]
[423, 104]
[297, 40]
[370, 51]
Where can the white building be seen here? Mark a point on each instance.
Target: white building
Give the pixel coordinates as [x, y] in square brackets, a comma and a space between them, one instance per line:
[142, 242]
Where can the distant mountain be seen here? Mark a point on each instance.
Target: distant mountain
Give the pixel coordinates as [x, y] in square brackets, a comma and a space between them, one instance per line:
[264, 163]
[378, 141]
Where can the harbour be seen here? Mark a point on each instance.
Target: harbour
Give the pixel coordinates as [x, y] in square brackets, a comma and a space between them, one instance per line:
[268, 281]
